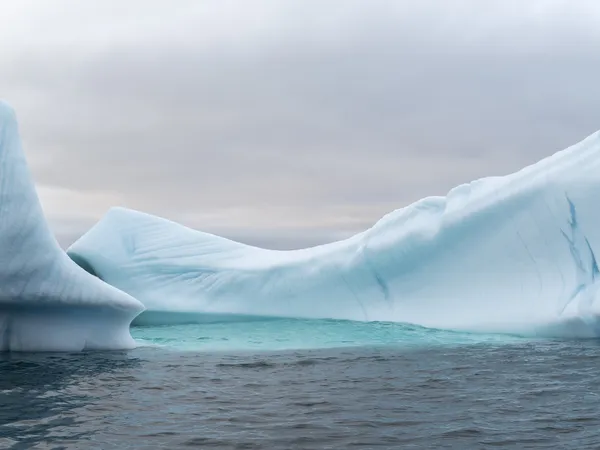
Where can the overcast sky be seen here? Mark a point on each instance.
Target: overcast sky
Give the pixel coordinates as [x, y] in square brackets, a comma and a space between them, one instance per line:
[289, 123]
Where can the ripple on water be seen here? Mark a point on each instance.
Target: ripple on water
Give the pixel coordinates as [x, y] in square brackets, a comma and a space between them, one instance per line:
[516, 393]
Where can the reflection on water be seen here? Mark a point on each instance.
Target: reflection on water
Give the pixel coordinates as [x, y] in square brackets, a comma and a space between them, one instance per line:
[519, 394]
[40, 394]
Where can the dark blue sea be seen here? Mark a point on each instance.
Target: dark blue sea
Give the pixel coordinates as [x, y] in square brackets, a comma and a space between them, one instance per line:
[306, 385]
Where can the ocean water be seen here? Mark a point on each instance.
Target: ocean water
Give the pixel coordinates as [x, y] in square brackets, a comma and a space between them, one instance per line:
[295, 384]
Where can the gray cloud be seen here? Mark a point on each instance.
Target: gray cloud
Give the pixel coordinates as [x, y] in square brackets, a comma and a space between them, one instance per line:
[291, 123]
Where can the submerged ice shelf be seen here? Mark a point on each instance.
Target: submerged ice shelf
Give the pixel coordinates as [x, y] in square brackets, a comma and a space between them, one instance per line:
[46, 301]
[306, 334]
[513, 254]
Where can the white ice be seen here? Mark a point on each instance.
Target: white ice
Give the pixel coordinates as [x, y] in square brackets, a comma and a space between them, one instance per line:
[513, 254]
[47, 303]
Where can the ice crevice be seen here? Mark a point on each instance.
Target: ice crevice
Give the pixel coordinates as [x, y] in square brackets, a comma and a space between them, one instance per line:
[584, 260]
[378, 278]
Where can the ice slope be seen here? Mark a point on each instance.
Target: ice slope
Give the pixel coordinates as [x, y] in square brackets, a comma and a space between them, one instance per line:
[47, 303]
[513, 254]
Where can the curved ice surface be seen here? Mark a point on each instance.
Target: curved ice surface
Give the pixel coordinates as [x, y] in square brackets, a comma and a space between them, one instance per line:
[513, 254]
[47, 303]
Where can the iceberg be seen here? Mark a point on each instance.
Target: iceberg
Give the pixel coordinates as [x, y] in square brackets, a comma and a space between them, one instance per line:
[47, 302]
[513, 254]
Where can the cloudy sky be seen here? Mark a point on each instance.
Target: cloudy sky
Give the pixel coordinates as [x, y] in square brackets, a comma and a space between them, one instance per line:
[289, 123]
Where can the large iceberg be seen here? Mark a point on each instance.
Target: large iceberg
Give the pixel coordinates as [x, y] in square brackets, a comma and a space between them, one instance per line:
[47, 303]
[513, 254]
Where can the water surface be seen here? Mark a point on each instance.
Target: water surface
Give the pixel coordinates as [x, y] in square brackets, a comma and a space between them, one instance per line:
[345, 385]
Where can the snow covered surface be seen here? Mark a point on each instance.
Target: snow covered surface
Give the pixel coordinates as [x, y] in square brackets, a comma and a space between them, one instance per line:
[47, 303]
[513, 254]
